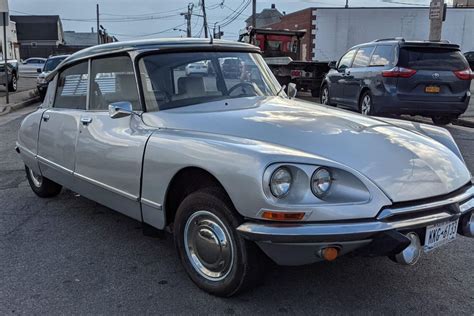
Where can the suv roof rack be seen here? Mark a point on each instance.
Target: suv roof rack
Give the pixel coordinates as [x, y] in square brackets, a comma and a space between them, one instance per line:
[390, 39]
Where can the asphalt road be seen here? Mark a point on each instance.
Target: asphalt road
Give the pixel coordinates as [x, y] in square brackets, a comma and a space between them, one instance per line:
[69, 255]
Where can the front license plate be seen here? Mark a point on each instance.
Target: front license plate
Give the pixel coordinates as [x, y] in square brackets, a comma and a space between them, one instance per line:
[432, 89]
[440, 234]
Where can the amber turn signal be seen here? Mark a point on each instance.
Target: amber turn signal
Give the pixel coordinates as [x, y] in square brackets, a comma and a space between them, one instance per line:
[283, 216]
[330, 253]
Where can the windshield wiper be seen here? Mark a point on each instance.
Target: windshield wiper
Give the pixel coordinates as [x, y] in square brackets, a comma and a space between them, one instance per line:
[281, 89]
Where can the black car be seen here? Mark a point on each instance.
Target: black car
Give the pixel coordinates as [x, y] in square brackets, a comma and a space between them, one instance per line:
[231, 68]
[470, 59]
[394, 76]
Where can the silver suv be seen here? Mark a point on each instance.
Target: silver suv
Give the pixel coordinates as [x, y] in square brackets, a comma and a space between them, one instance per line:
[394, 76]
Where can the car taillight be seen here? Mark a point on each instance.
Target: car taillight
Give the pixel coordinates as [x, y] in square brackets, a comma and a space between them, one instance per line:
[296, 73]
[398, 72]
[465, 74]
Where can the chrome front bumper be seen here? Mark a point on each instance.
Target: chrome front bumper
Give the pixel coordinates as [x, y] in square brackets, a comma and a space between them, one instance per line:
[275, 238]
[400, 218]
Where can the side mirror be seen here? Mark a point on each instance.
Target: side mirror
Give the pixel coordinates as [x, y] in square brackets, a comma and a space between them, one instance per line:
[292, 90]
[120, 109]
[332, 64]
[39, 70]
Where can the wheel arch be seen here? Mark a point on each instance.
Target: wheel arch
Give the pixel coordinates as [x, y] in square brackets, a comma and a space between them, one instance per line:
[180, 187]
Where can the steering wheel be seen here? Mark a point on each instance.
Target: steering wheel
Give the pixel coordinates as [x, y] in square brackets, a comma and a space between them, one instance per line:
[243, 85]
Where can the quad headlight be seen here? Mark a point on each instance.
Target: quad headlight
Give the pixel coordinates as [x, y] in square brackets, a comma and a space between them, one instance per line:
[321, 182]
[280, 182]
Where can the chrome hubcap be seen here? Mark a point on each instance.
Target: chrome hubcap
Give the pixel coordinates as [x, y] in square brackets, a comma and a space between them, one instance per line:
[324, 96]
[208, 245]
[366, 105]
[14, 82]
[36, 178]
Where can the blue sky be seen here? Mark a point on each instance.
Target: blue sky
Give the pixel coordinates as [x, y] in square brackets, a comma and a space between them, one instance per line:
[132, 19]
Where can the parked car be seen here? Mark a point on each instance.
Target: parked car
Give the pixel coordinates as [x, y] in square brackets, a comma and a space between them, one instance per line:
[395, 76]
[470, 59]
[30, 65]
[237, 170]
[197, 69]
[12, 67]
[51, 63]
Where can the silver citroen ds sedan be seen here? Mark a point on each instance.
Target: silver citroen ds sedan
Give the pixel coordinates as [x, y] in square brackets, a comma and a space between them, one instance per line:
[234, 168]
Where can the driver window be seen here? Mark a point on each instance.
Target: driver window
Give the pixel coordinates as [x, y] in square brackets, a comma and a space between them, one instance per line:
[113, 80]
[346, 60]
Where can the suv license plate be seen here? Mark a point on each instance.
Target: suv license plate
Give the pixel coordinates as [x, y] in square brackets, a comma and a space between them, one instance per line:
[432, 89]
[440, 234]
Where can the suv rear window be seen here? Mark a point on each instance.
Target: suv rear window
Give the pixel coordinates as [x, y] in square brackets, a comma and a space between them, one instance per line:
[421, 58]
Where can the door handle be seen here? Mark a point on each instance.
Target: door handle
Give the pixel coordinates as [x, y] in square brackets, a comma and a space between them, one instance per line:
[45, 117]
[86, 120]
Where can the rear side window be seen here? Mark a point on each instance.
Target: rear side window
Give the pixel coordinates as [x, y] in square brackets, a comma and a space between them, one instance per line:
[425, 58]
[346, 60]
[113, 80]
[382, 56]
[362, 57]
[72, 87]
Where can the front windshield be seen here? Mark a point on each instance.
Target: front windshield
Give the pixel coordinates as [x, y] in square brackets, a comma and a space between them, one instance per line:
[180, 79]
[52, 63]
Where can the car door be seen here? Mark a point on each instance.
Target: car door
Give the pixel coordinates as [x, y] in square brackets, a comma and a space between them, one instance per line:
[60, 125]
[355, 76]
[109, 151]
[337, 76]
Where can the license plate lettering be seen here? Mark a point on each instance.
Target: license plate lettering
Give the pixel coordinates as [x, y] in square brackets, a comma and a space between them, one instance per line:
[440, 234]
[432, 89]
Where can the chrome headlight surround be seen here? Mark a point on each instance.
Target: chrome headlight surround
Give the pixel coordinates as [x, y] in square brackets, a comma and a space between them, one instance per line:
[321, 182]
[281, 181]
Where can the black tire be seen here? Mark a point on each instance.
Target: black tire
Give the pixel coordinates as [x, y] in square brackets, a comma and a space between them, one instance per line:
[442, 120]
[240, 273]
[324, 94]
[13, 84]
[43, 187]
[366, 95]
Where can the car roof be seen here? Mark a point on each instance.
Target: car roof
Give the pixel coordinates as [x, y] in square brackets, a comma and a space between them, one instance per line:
[160, 44]
[409, 43]
[58, 56]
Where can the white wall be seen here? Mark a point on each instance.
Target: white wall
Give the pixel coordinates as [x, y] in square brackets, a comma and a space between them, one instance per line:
[13, 53]
[339, 29]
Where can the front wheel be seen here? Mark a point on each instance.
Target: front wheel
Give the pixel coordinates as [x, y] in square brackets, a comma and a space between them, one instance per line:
[324, 95]
[214, 256]
[43, 187]
[13, 84]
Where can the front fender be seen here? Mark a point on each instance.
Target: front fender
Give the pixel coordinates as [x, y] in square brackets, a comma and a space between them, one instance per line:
[239, 165]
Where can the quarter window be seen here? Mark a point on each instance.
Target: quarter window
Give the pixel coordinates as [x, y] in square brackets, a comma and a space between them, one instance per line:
[346, 60]
[362, 57]
[113, 80]
[382, 56]
[72, 88]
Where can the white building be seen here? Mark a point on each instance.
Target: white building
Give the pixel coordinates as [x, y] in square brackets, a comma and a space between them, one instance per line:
[13, 48]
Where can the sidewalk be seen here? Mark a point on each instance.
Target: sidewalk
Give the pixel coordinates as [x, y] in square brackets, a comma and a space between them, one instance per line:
[18, 100]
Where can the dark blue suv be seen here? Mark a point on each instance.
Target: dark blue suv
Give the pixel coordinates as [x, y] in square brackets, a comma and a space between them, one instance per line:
[394, 76]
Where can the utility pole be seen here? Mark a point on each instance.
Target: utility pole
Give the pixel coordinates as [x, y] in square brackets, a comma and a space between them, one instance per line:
[98, 29]
[254, 13]
[187, 17]
[347, 4]
[5, 13]
[204, 18]
[437, 15]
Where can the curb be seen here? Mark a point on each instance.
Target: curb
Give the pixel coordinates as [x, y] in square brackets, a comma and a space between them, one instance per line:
[464, 122]
[13, 107]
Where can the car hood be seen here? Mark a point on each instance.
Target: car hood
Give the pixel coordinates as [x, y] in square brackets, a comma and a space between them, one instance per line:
[404, 164]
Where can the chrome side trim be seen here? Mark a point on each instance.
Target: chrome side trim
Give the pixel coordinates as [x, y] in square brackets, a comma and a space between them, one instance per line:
[25, 150]
[147, 202]
[54, 165]
[332, 232]
[107, 187]
[389, 212]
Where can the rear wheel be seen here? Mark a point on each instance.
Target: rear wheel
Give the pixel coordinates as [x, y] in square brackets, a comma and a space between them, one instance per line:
[324, 96]
[43, 187]
[442, 120]
[366, 104]
[13, 84]
[215, 257]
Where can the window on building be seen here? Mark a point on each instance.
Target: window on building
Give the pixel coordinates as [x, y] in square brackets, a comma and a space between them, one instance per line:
[72, 87]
